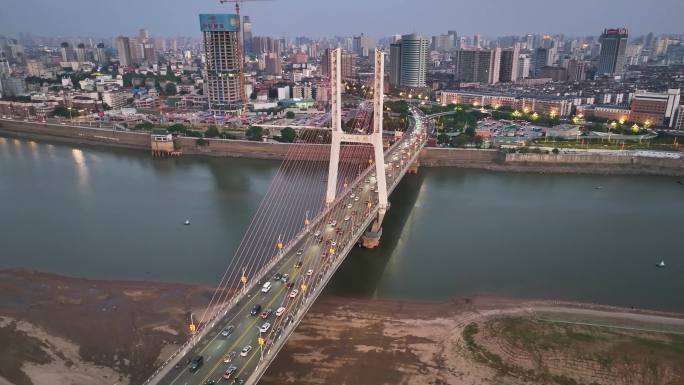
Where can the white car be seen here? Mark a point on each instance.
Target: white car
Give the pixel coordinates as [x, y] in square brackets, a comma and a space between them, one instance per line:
[346, 218]
[356, 199]
[310, 271]
[333, 244]
[245, 351]
[280, 311]
[294, 293]
[317, 233]
[264, 328]
[349, 206]
[334, 223]
[352, 196]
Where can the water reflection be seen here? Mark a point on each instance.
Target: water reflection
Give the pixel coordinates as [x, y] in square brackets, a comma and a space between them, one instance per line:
[81, 169]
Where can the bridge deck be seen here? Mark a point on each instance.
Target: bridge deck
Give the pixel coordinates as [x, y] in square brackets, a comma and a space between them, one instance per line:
[310, 280]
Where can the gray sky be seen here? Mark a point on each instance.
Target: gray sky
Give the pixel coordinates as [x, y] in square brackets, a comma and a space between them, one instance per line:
[316, 18]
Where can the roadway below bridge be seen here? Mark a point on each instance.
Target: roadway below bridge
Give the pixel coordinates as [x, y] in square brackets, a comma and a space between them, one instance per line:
[229, 345]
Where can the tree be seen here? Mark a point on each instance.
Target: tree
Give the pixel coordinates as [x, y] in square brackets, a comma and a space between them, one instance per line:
[170, 89]
[144, 126]
[201, 142]
[288, 135]
[555, 151]
[290, 115]
[254, 133]
[178, 128]
[212, 132]
[65, 113]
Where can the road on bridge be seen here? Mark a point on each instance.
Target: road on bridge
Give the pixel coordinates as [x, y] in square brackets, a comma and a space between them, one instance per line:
[308, 265]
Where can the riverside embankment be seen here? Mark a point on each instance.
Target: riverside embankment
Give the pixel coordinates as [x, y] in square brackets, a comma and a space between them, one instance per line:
[583, 163]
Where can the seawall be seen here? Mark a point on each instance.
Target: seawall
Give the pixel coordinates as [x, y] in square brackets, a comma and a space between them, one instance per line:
[584, 163]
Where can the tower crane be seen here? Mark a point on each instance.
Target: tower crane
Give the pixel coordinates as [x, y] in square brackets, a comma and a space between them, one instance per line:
[241, 57]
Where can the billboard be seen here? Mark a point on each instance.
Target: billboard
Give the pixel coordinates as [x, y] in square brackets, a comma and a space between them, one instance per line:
[218, 22]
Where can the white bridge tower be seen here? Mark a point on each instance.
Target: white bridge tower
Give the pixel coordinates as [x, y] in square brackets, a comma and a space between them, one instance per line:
[371, 239]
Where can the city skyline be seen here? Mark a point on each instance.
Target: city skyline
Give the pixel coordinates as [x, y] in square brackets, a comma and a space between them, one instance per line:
[310, 18]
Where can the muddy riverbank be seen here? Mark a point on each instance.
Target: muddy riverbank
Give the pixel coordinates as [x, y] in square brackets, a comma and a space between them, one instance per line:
[60, 330]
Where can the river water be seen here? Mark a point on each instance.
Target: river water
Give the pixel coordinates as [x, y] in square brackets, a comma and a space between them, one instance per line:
[116, 214]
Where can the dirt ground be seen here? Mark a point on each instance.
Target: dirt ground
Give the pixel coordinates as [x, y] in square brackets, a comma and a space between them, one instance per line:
[58, 330]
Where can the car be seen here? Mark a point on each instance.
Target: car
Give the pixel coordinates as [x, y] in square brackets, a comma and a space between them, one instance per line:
[230, 371]
[289, 285]
[267, 287]
[196, 363]
[255, 310]
[298, 264]
[245, 351]
[266, 313]
[277, 276]
[324, 254]
[300, 252]
[264, 328]
[349, 206]
[309, 272]
[334, 223]
[347, 218]
[376, 190]
[227, 359]
[210, 382]
[352, 196]
[356, 199]
[294, 293]
[317, 233]
[284, 278]
[280, 311]
[333, 243]
[228, 331]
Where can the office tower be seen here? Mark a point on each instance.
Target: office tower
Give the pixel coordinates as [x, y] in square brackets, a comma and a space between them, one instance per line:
[273, 65]
[33, 67]
[541, 59]
[612, 56]
[475, 65]
[408, 60]
[67, 52]
[395, 64]
[509, 64]
[4, 66]
[100, 54]
[247, 35]
[123, 48]
[476, 41]
[221, 62]
[80, 53]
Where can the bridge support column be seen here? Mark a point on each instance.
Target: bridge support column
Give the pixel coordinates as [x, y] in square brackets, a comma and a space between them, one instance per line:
[371, 239]
[413, 169]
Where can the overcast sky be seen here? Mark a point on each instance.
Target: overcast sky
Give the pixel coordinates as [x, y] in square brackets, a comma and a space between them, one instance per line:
[318, 18]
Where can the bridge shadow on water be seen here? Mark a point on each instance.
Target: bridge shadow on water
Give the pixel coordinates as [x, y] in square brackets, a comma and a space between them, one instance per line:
[360, 274]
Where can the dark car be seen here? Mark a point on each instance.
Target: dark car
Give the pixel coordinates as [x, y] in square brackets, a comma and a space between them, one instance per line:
[289, 285]
[277, 276]
[228, 331]
[299, 264]
[255, 310]
[196, 363]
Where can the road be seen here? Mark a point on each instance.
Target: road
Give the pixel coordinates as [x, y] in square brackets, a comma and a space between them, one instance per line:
[350, 212]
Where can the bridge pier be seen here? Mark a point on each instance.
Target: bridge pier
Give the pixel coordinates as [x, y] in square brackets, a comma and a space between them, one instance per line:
[371, 238]
[413, 169]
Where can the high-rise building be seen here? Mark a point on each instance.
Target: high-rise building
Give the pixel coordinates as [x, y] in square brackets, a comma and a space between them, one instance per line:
[221, 62]
[67, 52]
[524, 63]
[348, 66]
[363, 45]
[100, 54]
[395, 64]
[33, 67]
[475, 65]
[612, 56]
[273, 65]
[325, 62]
[247, 36]
[150, 53]
[577, 70]
[408, 59]
[541, 59]
[80, 53]
[4, 66]
[123, 48]
[509, 64]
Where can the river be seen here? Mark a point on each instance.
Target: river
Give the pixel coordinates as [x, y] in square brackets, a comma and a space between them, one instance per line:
[117, 214]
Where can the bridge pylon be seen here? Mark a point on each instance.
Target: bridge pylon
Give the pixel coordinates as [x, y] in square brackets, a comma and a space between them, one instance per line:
[372, 237]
